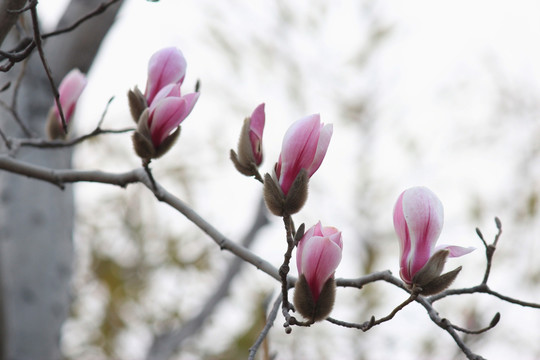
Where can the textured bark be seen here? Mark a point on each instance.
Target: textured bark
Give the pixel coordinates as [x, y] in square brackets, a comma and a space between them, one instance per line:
[36, 219]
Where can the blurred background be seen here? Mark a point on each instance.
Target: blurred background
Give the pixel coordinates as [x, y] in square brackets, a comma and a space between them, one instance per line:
[441, 94]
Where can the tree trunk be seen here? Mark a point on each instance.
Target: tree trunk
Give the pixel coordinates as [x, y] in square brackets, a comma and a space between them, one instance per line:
[36, 219]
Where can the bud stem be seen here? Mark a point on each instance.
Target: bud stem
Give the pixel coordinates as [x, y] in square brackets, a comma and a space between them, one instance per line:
[284, 271]
[146, 166]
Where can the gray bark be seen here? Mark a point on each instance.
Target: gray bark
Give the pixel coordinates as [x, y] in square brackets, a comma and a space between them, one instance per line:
[36, 219]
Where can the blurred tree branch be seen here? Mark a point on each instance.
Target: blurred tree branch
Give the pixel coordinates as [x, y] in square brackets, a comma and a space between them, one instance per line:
[9, 14]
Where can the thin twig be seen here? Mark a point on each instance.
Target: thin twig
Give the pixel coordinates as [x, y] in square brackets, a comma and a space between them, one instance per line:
[490, 250]
[26, 130]
[482, 289]
[491, 325]
[448, 327]
[284, 271]
[100, 9]
[12, 109]
[27, 45]
[269, 323]
[104, 113]
[37, 40]
[374, 322]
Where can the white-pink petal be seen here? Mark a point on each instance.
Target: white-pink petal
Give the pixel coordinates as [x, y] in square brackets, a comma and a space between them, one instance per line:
[256, 124]
[424, 215]
[166, 66]
[322, 146]
[455, 251]
[69, 91]
[320, 258]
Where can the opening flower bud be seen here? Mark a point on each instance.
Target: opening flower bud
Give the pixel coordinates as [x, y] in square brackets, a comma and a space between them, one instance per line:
[418, 221]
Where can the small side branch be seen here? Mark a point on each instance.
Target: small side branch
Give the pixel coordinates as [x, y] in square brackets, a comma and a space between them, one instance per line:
[37, 40]
[491, 325]
[284, 271]
[373, 322]
[449, 328]
[100, 9]
[490, 248]
[269, 323]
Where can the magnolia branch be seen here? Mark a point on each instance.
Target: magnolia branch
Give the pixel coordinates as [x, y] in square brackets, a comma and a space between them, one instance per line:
[61, 177]
[269, 323]
[483, 287]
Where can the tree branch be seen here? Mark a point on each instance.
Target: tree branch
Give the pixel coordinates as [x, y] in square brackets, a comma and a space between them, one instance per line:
[269, 323]
[164, 345]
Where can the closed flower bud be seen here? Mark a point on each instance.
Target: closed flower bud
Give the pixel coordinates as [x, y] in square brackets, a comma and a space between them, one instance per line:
[418, 221]
[69, 91]
[304, 146]
[317, 257]
[250, 152]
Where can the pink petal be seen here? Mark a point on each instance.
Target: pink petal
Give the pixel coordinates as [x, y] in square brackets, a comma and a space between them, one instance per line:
[167, 66]
[171, 90]
[69, 91]
[300, 248]
[168, 114]
[402, 231]
[322, 147]
[334, 235]
[320, 258]
[423, 212]
[256, 127]
[298, 149]
[455, 251]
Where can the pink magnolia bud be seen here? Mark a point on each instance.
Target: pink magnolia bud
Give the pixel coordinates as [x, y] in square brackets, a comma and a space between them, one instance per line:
[250, 153]
[304, 147]
[69, 91]
[167, 66]
[418, 221]
[317, 257]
